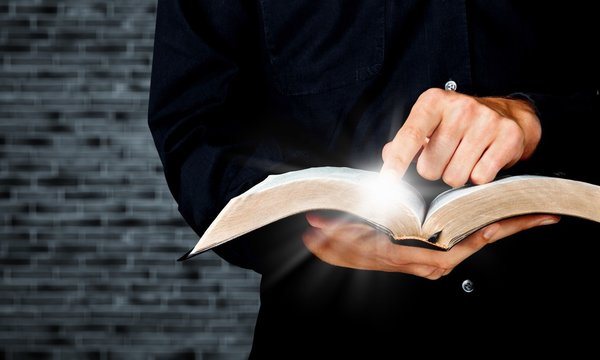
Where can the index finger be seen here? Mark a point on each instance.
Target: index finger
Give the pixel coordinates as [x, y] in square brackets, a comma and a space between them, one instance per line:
[424, 117]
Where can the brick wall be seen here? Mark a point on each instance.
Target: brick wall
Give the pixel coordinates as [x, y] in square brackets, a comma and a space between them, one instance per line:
[89, 235]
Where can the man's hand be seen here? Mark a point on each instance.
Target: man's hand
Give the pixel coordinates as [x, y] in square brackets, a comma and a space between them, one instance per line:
[458, 137]
[452, 136]
[345, 243]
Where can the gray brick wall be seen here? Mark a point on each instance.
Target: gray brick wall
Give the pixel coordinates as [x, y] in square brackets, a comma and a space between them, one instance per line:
[89, 235]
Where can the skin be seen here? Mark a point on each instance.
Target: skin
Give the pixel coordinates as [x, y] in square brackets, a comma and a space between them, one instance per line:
[451, 136]
[458, 137]
[359, 246]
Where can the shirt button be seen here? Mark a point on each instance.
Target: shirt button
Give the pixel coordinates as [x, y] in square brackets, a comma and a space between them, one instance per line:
[450, 85]
[467, 286]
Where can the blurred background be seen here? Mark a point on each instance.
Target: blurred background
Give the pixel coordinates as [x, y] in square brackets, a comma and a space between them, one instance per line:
[89, 233]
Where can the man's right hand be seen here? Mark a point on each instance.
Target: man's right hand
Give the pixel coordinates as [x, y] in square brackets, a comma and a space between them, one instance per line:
[459, 138]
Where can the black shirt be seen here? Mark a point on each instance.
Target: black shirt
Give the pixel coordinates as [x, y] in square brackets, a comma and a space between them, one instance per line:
[242, 89]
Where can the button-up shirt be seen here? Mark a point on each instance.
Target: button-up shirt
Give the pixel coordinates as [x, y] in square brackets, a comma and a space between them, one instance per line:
[243, 89]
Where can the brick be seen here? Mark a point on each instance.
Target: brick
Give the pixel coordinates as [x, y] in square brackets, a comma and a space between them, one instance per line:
[33, 355]
[179, 355]
[54, 236]
[70, 354]
[58, 261]
[58, 181]
[14, 48]
[29, 166]
[14, 261]
[19, 220]
[36, 141]
[115, 47]
[24, 36]
[55, 341]
[36, 9]
[106, 261]
[80, 222]
[75, 34]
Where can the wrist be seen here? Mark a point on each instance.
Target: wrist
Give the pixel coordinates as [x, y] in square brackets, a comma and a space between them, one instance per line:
[523, 112]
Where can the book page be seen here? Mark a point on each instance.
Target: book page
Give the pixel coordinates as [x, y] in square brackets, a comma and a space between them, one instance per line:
[377, 191]
[453, 194]
[325, 172]
[395, 207]
[459, 212]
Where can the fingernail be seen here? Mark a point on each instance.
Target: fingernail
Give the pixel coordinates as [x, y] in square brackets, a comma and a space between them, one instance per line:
[490, 231]
[549, 221]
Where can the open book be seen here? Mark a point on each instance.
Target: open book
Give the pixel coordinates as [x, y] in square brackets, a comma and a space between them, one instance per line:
[397, 208]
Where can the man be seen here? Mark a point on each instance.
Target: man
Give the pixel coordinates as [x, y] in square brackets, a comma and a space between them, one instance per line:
[450, 91]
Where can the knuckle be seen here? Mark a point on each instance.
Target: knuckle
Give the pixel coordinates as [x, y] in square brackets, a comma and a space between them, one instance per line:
[412, 133]
[493, 165]
[386, 150]
[436, 274]
[426, 170]
[480, 176]
[397, 160]
[512, 130]
[453, 179]
[444, 263]
[426, 273]
[430, 95]
[470, 107]
[487, 168]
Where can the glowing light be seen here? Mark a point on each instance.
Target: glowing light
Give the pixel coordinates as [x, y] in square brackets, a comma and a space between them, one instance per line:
[387, 195]
[380, 190]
